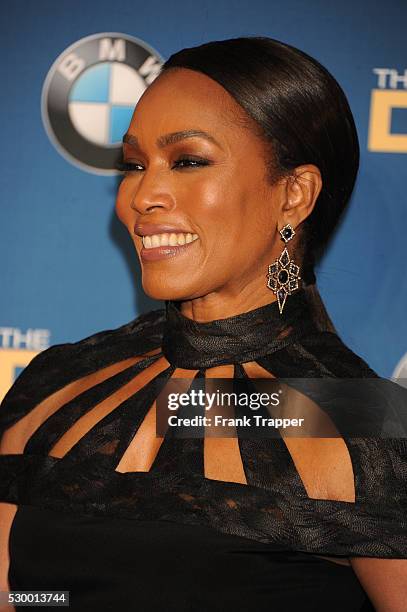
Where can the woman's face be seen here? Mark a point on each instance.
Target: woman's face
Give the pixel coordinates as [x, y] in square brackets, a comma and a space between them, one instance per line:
[214, 187]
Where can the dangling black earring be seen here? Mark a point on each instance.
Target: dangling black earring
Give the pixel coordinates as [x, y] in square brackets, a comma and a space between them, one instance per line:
[283, 275]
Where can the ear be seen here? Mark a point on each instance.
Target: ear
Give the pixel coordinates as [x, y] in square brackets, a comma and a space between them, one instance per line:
[302, 189]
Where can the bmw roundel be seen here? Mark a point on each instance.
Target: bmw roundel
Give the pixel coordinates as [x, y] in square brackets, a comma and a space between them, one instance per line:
[89, 96]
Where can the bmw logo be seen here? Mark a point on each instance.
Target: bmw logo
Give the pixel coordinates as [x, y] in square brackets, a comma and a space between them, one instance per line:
[89, 96]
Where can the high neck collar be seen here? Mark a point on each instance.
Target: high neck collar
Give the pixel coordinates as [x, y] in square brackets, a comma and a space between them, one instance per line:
[244, 337]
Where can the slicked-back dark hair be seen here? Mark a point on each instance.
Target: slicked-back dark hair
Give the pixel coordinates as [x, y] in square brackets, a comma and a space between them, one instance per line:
[299, 110]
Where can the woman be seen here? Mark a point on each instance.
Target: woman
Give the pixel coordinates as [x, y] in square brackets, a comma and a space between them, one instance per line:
[239, 160]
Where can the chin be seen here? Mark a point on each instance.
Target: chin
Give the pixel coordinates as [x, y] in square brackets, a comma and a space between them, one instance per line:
[168, 291]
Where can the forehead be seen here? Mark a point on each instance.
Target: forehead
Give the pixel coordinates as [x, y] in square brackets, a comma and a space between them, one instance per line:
[181, 99]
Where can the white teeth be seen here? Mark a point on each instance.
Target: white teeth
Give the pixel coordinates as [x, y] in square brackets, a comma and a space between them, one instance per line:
[156, 240]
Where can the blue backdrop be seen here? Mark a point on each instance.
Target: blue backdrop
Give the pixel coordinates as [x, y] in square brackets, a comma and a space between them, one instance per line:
[68, 266]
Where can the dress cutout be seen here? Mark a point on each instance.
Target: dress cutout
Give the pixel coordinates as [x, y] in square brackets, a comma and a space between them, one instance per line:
[77, 440]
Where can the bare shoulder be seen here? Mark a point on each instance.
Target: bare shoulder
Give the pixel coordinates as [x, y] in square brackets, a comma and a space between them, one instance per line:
[64, 371]
[384, 580]
[325, 467]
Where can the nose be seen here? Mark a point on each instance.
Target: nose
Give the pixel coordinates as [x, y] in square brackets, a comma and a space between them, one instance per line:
[151, 193]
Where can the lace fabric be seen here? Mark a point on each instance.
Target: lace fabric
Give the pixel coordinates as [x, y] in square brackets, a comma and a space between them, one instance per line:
[71, 428]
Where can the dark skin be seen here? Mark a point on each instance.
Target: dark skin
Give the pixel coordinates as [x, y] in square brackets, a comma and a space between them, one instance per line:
[229, 203]
[236, 213]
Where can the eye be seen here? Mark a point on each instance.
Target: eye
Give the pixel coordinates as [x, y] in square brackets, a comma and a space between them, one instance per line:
[183, 162]
[191, 162]
[125, 167]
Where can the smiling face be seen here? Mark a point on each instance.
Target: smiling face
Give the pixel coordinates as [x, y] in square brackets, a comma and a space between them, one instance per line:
[213, 186]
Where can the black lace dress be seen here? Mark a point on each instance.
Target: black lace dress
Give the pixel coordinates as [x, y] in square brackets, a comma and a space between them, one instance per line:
[177, 534]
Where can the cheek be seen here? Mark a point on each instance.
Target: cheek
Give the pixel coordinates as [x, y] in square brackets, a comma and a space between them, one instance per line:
[213, 202]
[122, 206]
[219, 214]
[233, 212]
[223, 212]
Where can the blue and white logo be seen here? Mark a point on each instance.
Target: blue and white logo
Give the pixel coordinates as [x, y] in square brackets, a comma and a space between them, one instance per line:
[89, 96]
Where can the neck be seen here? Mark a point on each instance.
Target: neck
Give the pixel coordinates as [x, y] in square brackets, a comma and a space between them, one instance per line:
[241, 337]
[233, 301]
[214, 306]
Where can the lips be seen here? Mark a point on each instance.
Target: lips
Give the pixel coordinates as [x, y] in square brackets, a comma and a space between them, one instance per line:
[166, 252]
[148, 229]
[162, 252]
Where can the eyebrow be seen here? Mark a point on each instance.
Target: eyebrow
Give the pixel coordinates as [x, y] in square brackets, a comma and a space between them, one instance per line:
[168, 139]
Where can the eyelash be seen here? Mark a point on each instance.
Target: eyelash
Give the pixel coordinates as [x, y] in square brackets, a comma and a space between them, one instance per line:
[132, 167]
